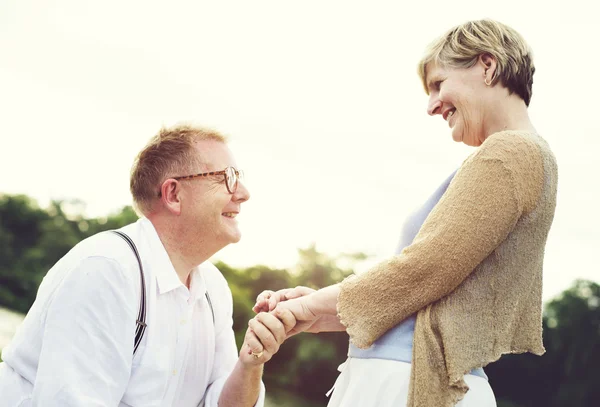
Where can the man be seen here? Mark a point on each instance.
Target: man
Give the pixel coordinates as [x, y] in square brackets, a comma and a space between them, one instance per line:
[76, 344]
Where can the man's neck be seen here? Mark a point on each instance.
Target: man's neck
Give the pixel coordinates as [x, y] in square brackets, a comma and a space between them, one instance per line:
[185, 253]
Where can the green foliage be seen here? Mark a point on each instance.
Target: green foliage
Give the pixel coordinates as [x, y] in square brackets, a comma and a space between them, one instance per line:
[502, 403]
[33, 239]
[567, 374]
[306, 364]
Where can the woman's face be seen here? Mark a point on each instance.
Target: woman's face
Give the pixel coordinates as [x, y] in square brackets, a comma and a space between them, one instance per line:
[459, 96]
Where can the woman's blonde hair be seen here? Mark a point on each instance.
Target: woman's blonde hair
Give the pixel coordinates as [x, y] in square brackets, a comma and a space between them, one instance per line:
[169, 153]
[461, 46]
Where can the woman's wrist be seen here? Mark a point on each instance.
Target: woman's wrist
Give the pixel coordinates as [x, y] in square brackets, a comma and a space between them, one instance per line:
[324, 301]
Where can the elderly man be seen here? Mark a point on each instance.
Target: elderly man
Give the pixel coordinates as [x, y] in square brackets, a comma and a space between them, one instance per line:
[139, 317]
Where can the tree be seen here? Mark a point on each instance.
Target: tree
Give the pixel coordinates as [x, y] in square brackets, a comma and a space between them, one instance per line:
[33, 239]
[567, 374]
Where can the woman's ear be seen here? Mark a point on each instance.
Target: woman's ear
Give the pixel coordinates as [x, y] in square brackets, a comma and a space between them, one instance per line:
[489, 64]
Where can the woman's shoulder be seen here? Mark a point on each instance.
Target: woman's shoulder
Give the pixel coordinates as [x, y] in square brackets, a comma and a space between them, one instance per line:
[526, 160]
[514, 148]
[512, 141]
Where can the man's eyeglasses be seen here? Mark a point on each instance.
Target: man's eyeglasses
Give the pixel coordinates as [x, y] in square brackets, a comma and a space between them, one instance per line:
[231, 175]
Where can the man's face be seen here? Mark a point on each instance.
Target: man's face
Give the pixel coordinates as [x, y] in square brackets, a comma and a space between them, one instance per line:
[207, 206]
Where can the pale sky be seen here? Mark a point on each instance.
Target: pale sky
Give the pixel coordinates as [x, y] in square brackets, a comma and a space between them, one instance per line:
[320, 98]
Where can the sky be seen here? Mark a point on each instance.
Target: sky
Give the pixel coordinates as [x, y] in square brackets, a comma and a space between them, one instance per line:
[320, 99]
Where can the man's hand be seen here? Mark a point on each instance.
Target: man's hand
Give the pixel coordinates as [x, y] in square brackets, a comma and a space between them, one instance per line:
[266, 332]
[268, 300]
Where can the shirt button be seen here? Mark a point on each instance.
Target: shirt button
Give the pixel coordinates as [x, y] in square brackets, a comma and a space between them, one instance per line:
[182, 322]
[174, 372]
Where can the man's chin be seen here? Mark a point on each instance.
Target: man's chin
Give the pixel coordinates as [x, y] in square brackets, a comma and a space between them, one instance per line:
[235, 237]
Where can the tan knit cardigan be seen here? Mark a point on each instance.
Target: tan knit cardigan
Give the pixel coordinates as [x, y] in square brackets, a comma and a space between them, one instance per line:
[473, 274]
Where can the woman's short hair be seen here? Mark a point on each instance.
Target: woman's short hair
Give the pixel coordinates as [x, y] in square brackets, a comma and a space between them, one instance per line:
[169, 153]
[461, 46]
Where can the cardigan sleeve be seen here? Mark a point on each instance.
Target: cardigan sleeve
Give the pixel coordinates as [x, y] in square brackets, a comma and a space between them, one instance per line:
[481, 206]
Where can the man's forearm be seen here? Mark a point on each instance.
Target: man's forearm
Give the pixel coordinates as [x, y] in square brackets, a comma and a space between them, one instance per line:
[242, 388]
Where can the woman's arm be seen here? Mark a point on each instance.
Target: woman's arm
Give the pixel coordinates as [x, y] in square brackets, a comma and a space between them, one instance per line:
[480, 208]
[315, 311]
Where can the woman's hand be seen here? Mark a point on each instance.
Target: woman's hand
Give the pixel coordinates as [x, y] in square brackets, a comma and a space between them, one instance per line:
[268, 300]
[314, 312]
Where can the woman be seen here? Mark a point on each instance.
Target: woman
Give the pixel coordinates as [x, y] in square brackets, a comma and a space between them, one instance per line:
[467, 287]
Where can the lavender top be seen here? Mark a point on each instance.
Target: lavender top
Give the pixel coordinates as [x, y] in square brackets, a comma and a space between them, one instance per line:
[397, 343]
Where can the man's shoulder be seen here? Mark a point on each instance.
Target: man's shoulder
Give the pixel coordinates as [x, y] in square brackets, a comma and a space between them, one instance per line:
[213, 277]
[104, 247]
[104, 244]
[90, 263]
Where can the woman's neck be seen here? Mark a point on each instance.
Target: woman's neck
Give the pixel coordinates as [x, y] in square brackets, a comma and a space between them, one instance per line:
[509, 113]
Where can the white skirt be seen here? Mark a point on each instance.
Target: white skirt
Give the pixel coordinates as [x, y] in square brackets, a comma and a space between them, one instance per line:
[384, 383]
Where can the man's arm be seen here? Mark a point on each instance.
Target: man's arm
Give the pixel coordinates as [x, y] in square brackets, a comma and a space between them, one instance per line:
[236, 379]
[88, 337]
[266, 332]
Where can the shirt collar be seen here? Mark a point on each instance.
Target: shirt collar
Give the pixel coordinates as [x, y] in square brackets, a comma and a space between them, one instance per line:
[166, 276]
[197, 283]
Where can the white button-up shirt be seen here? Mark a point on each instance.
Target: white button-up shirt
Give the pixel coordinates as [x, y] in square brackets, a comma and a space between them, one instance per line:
[75, 346]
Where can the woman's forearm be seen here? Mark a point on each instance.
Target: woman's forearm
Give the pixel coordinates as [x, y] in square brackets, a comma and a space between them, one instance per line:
[324, 301]
[327, 323]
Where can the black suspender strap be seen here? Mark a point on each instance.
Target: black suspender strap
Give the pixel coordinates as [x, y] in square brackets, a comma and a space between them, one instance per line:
[210, 305]
[141, 319]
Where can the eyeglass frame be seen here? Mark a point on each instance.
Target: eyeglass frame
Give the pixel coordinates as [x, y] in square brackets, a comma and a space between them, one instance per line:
[237, 173]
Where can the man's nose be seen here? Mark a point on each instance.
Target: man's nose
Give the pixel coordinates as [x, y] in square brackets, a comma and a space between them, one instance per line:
[242, 194]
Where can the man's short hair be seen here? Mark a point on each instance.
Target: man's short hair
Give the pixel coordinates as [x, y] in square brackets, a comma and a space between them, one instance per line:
[462, 45]
[169, 153]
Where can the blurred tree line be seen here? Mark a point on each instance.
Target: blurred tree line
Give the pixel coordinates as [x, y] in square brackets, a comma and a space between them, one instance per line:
[32, 239]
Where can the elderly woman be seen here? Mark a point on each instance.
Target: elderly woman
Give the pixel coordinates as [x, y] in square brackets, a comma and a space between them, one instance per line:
[467, 286]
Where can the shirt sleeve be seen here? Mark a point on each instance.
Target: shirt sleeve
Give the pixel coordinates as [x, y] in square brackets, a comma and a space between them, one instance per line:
[479, 209]
[226, 356]
[89, 332]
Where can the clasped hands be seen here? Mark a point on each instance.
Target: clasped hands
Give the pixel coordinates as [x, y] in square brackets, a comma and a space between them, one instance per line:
[284, 313]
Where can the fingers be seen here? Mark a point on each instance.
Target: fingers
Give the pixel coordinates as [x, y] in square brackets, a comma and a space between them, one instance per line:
[252, 342]
[267, 300]
[252, 352]
[296, 307]
[266, 332]
[299, 291]
[288, 294]
[287, 319]
[269, 331]
[262, 304]
[276, 298]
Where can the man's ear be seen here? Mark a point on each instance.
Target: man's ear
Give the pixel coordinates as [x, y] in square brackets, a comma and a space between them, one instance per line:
[170, 191]
[490, 65]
